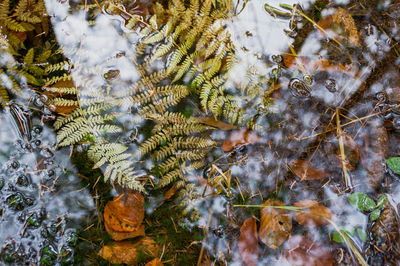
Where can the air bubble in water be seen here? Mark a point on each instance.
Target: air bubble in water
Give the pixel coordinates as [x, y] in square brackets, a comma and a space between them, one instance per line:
[299, 88]
[43, 98]
[382, 97]
[330, 85]
[396, 122]
[277, 58]
[52, 107]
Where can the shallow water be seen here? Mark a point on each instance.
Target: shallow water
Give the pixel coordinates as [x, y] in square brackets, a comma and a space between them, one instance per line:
[336, 90]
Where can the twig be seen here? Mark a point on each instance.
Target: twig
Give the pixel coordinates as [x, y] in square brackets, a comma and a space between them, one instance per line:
[341, 147]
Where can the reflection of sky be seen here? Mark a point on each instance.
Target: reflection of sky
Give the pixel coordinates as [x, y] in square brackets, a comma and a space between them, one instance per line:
[105, 39]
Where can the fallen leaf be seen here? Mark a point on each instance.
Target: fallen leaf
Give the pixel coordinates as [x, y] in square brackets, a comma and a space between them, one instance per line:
[241, 136]
[300, 250]
[211, 121]
[314, 215]
[170, 193]
[385, 233]
[124, 235]
[52, 93]
[155, 262]
[341, 16]
[125, 215]
[127, 252]
[303, 170]
[275, 226]
[373, 154]
[248, 242]
[20, 35]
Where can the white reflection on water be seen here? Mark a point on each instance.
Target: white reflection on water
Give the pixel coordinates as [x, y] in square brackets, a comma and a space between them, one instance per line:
[257, 36]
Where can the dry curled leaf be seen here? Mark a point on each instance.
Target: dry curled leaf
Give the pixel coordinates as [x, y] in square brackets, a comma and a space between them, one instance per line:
[127, 252]
[303, 170]
[314, 214]
[276, 224]
[125, 215]
[300, 251]
[241, 136]
[248, 242]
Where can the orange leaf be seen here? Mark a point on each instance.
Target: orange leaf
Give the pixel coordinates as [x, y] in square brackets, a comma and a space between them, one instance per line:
[248, 242]
[124, 235]
[303, 170]
[341, 16]
[20, 35]
[60, 109]
[155, 262]
[241, 136]
[127, 252]
[125, 215]
[275, 226]
[314, 215]
[300, 251]
[170, 193]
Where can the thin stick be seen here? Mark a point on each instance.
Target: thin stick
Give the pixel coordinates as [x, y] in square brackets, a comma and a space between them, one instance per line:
[204, 238]
[341, 147]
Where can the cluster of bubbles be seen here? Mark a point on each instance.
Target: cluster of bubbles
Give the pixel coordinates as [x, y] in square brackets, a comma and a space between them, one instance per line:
[387, 109]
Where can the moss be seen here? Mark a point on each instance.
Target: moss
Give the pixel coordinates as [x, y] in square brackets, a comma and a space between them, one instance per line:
[165, 229]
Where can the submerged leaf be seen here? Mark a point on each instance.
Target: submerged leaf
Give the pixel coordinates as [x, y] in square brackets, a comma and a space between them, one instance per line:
[316, 214]
[394, 164]
[241, 136]
[300, 250]
[127, 252]
[374, 215]
[361, 201]
[362, 234]
[125, 215]
[341, 16]
[276, 224]
[303, 170]
[248, 242]
[338, 238]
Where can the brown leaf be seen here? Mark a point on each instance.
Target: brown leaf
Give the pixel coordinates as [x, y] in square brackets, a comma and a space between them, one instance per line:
[127, 252]
[60, 109]
[241, 136]
[341, 16]
[374, 152]
[125, 215]
[275, 226]
[211, 121]
[20, 35]
[248, 242]
[124, 235]
[170, 193]
[303, 170]
[155, 262]
[314, 215]
[300, 250]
